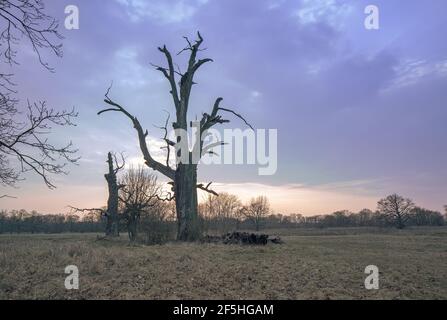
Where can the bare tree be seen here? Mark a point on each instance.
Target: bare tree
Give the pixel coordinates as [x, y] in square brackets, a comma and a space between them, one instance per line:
[222, 209]
[27, 19]
[257, 209]
[139, 193]
[23, 134]
[26, 141]
[184, 175]
[396, 208]
[364, 217]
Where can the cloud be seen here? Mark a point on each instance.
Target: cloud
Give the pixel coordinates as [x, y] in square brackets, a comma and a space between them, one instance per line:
[329, 11]
[125, 68]
[412, 71]
[161, 11]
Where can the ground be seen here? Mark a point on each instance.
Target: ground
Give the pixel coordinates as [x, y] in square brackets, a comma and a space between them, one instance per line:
[312, 264]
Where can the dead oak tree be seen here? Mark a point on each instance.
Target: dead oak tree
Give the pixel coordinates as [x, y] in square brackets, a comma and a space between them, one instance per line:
[113, 200]
[184, 175]
[111, 212]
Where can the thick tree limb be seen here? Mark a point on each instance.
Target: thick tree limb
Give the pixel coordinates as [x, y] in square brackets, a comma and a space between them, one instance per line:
[151, 162]
[169, 73]
[208, 121]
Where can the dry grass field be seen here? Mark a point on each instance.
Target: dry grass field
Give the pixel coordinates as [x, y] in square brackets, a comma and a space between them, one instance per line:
[312, 264]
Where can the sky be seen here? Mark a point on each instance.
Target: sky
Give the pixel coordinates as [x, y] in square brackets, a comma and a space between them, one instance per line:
[359, 113]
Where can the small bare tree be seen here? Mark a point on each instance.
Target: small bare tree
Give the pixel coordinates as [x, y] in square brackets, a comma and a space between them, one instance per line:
[256, 210]
[222, 209]
[396, 208]
[138, 194]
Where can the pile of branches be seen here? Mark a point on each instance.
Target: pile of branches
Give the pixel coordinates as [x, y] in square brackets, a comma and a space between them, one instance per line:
[244, 238]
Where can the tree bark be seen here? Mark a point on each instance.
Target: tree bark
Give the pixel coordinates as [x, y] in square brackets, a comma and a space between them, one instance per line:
[399, 221]
[112, 202]
[132, 229]
[185, 183]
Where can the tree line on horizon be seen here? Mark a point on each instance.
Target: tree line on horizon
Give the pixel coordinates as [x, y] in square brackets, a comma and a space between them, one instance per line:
[221, 214]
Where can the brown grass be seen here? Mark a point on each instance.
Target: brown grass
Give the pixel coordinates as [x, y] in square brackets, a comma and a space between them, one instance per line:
[313, 264]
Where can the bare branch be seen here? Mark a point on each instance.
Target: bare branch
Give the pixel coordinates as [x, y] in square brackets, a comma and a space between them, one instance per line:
[237, 115]
[151, 162]
[206, 188]
[88, 210]
[118, 166]
[7, 196]
[26, 142]
[209, 121]
[26, 18]
[168, 142]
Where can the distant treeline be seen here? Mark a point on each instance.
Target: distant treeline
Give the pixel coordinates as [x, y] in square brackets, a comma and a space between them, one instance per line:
[345, 218]
[226, 212]
[213, 219]
[21, 221]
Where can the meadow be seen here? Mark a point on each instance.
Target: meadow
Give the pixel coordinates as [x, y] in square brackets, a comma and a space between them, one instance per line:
[311, 264]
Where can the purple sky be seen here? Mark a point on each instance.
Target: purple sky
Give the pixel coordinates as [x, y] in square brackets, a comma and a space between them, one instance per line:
[360, 113]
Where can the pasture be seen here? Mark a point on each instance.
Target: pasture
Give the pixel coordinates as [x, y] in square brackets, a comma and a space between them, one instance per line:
[312, 264]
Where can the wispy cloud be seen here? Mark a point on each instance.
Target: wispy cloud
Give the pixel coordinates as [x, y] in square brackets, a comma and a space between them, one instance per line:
[331, 12]
[410, 72]
[161, 11]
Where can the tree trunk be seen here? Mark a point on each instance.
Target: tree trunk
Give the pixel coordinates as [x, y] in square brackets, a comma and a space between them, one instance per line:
[112, 202]
[186, 202]
[400, 222]
[132, 230]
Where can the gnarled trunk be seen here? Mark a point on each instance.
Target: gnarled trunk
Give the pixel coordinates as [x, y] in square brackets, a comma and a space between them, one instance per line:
[186, 202]
[112, 202]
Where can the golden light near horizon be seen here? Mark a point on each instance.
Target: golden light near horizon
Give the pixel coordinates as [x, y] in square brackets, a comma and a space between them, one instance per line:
[284, 199]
